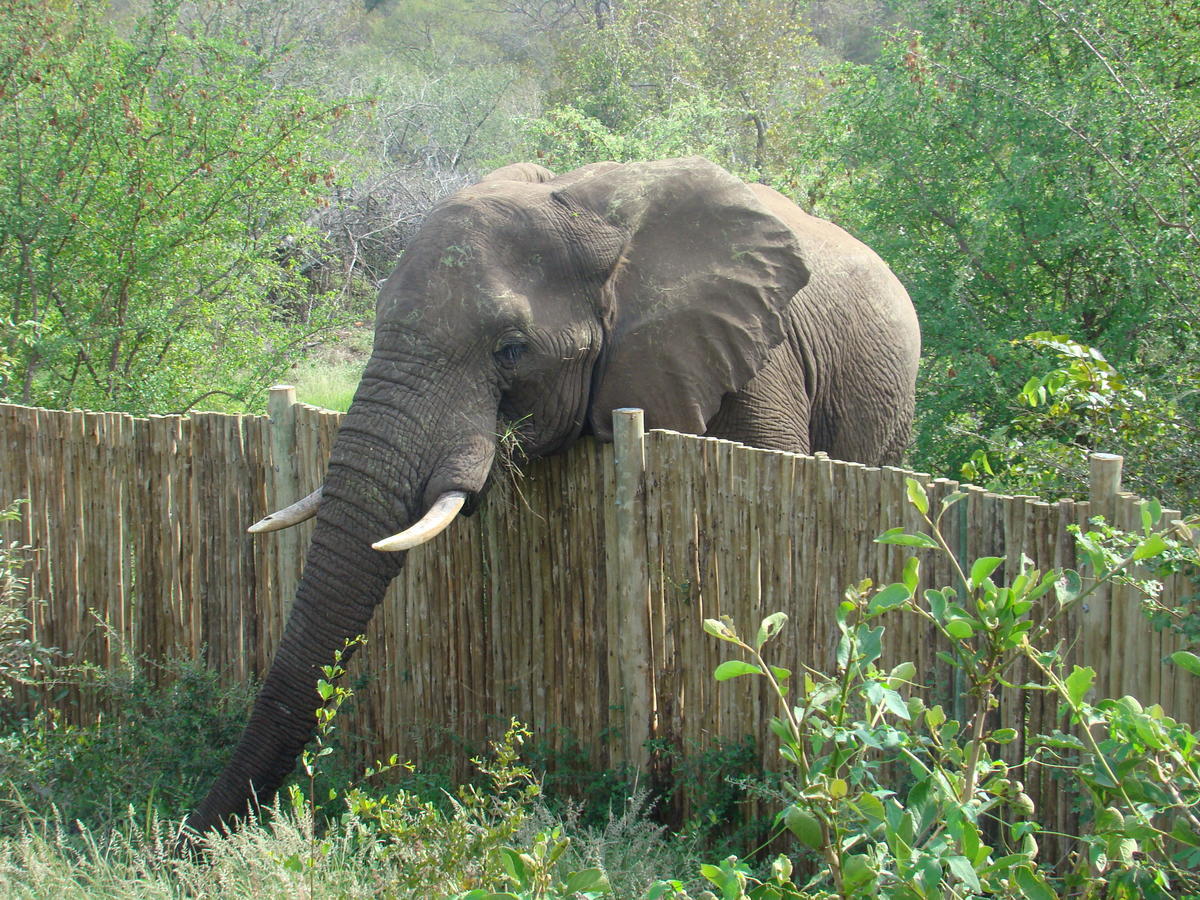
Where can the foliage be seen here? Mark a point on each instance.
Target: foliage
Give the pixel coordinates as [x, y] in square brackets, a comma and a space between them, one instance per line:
[654, 78]
[1026, 166]
[150, 182]
[894, 798]
[1085, 405]
[162, 745]
[22, 658]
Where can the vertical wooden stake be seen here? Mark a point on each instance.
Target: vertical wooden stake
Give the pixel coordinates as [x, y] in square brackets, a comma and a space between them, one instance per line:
[1098, 633]
[283, 487]
[632, 582]
[1104, 484]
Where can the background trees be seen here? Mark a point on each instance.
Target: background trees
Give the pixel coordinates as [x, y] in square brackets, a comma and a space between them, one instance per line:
[1030, 166]
[195, 192]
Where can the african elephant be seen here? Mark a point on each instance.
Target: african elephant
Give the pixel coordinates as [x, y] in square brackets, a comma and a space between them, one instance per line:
[542, 303]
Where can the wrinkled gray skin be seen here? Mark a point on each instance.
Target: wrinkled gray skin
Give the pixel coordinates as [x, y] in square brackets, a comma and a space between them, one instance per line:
[718, 307]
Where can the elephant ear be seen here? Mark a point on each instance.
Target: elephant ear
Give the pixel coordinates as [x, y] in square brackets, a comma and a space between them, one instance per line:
[696, 299]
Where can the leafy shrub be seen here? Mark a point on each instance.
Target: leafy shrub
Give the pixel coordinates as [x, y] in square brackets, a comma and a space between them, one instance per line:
[1082, 405]
[893, 798]
[163, 744]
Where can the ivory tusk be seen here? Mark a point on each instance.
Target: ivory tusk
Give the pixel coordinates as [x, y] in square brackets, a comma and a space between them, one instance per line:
[292, 515]
[432, 524]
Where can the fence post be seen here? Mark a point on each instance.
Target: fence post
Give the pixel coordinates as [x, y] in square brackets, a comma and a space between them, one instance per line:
[632, 583]
[1104, 484]
[283, 487]
[1100, 637]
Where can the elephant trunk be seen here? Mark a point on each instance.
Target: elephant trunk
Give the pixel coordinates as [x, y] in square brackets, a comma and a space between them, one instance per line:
[397, 452]
[339, 590]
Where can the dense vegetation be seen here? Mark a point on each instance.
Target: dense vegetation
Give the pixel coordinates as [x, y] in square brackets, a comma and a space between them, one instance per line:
[197, 195]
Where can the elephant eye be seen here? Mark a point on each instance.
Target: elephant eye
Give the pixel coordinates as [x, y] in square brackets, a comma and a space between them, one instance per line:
[509, 352]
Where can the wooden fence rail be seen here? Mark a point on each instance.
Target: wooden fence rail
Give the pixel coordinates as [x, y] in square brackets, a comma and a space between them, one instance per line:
[573, 600]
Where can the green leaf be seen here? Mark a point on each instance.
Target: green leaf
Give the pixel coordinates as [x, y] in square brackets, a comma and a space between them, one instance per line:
[888, 598]
[871, 807]
[911, 575]
[1151, 512]
[901, 537]
[721, 630]
[805, 826]
[916, 495]
[1079, 682]
[1151, 546]
[935, 717]
[962, 869]
[770, 627]
[937, 603]
[1032, 885]
[514, 865]
[732, 668]
[587, 880]
[1186, 660]
[902, 674]
[857, 872]
[1004, 735]
[959, 629]
[325, 689]
[982, 568]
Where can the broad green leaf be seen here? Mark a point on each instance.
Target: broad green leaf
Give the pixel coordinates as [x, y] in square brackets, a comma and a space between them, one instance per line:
[959, 629]
[888, 598]
[857, 872]
[962, 869]
[1151, 513]
[935, 717]
[937, 603]
[1079, 682]
[1187, 660]
[805, 826]
[916, 495]
[324, 688]
[1068, 587]
[902, 674]
[904, 539]
[1004, 735]
[515, 865]
[871, 807]
[838, 788]
[587, 880]
[732, 668]
[1032, 885]
[1151, 546]
[870, 643]
[952, 499]
[721, 630]
[983, 567]
[770, 627]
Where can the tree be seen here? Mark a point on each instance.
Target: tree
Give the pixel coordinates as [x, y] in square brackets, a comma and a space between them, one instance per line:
[739, 77]
[149, 185]
[1025, 166]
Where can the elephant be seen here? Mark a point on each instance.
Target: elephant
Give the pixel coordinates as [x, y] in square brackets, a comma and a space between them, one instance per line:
[538, 304]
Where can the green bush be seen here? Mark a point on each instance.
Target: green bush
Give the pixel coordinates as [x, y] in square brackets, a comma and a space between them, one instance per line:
[166, 739]
[893, 798]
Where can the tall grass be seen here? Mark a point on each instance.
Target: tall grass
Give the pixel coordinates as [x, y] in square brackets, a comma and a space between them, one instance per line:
[328, 376]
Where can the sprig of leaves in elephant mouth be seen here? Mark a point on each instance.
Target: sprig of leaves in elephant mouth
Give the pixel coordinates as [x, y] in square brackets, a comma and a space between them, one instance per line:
[508, 466]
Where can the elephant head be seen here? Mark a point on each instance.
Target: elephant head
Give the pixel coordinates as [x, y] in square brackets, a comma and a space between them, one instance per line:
[525, 303]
